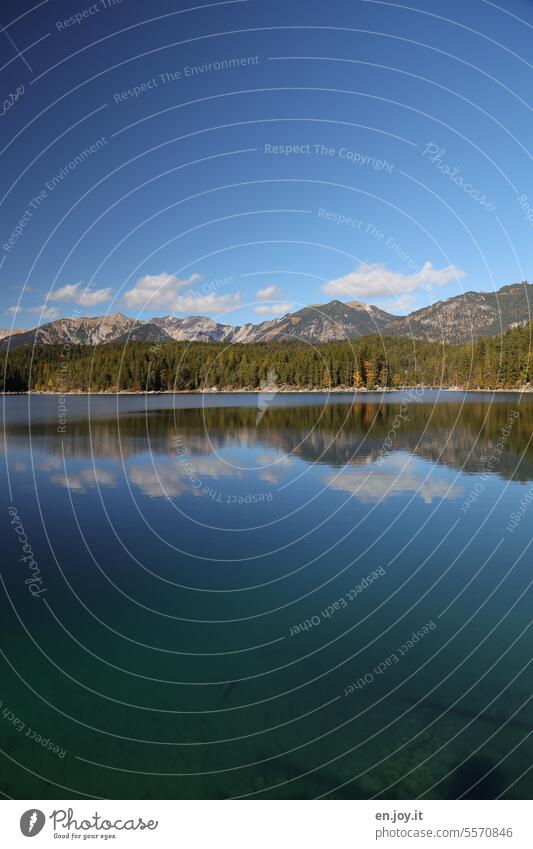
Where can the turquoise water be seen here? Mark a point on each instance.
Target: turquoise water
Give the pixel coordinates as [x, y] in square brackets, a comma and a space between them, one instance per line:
[220, 594]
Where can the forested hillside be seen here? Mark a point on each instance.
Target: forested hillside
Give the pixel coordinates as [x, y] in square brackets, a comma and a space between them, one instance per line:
[371, 362]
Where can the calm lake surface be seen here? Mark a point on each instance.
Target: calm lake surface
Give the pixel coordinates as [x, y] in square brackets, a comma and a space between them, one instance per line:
[283, 596]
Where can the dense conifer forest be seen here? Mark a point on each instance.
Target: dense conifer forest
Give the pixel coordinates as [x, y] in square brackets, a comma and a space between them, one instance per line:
[369, 362]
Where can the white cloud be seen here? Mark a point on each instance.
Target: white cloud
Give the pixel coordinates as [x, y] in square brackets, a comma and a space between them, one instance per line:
[45, 313]
[403, 304]
[273, 309]
[166, 291]
[216, 467]
[161, 481]
[273, 460]
[378, 485]
[157, 290]
[274, 467]
[72, 482]
[372, 280]
[190, 302]
[169, 479]
[49, 463]
[89, 477]
[268, 293]
[85, 297]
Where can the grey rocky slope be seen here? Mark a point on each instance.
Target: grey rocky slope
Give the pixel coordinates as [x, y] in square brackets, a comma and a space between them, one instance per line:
[469, 316]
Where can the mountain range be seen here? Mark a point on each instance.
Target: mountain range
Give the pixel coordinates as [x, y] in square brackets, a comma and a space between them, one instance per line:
[456, 320]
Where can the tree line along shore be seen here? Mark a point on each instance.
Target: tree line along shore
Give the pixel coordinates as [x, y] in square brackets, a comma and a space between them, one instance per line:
[370, 362]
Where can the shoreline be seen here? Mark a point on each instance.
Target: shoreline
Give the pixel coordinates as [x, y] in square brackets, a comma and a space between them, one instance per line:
[339, 390]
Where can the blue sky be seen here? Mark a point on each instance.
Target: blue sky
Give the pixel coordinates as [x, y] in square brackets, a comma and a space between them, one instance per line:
[243, 159]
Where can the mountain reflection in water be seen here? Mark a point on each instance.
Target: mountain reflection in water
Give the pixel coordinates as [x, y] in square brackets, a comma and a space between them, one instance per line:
[330, 599]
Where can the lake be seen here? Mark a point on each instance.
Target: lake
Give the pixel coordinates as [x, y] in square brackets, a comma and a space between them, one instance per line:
[267, 596]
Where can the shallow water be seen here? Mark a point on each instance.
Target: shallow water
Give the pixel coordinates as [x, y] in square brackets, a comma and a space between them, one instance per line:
[225, 590]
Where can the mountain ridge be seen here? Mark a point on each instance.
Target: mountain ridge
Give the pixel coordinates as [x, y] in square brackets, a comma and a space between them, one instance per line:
[461, 318]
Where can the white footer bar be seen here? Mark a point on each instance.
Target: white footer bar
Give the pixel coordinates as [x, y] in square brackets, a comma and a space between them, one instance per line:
[257, 824]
